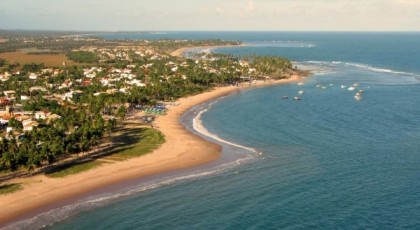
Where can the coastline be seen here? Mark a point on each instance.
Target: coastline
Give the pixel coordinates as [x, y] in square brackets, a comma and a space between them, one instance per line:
[182, 149]
[180, 52]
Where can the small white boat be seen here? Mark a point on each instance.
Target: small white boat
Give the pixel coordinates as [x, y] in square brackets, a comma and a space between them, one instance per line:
[355, 84]
[318, 86]
[300, 83]
[323, 87]
[343, 86]
[285, 97]
[296, 98]
[301, 92]
[358, 97]
[351, 88]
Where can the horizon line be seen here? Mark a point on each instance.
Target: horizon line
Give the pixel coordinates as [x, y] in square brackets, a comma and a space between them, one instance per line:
[157, 31]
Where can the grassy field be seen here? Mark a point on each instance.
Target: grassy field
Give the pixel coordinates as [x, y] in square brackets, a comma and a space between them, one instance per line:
[50, 60]
[128, 142]
[73, 169]
[136, 142]
[9, 188]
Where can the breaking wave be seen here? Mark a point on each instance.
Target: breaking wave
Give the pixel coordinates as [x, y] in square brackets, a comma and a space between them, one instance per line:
[366, 67]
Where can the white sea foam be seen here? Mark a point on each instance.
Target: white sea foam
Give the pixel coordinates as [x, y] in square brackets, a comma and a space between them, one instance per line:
[198, 126]
[364, 66]
[286, 44]
[60, 214]
[381, 70]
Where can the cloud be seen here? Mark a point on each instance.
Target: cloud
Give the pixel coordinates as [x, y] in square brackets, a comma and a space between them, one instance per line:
[408, 2]
[250, 7]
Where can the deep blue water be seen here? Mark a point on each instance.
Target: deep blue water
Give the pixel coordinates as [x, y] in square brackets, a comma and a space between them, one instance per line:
[328, 161]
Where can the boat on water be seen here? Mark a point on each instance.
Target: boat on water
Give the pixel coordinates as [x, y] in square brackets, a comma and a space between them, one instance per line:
[358, 97]
[323, 87]
[300, 83]
[351, 88]
[343, 86]
[296, 98]
[301, 92]
[285, 97]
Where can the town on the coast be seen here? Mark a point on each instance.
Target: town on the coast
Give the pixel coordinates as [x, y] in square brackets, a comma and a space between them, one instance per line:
[66, 98]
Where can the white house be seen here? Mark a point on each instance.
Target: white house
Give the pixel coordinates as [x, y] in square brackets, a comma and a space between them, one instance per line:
[42, 115]
[24, 97]
[29, 125]
[33, 76]
[10, 94]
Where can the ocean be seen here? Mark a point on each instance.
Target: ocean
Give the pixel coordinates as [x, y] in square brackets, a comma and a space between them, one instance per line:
[328, 161]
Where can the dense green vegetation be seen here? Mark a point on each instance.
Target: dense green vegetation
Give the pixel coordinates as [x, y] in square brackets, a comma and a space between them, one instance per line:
[83, 57]
[272, 66]
[132, 143]
[32, 68]
[50, 142]
[2, 62]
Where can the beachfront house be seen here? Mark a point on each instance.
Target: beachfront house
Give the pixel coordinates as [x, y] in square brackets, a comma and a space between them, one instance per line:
[33, 76]
[4, 101]
[28, 125]
[10, 95]
[41, 115]
[5, 76]
[4, 119]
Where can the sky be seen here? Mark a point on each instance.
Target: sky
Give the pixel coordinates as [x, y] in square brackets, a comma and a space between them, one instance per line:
[211, 15]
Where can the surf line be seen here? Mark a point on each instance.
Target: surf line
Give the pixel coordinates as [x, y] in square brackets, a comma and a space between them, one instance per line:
[199, 127]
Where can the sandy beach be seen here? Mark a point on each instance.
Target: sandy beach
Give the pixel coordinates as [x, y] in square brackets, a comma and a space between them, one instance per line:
[181, 150]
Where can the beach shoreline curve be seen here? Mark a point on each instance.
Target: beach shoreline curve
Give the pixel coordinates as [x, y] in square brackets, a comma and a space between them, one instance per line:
[182, 149]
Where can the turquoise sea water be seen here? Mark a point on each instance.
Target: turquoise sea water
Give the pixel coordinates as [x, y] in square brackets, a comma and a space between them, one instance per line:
[326, 162]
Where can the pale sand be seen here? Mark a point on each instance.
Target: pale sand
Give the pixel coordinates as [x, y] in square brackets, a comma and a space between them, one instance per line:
[182, 149]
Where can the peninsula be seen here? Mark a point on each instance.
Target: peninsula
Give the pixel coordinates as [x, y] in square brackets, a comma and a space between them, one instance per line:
[66, 124]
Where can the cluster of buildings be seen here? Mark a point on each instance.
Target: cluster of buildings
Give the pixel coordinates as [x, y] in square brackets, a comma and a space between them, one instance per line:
[28, 119]
[111, 80]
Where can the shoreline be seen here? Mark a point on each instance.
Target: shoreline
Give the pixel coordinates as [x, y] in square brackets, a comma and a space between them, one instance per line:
[180, 52]
[182, 149]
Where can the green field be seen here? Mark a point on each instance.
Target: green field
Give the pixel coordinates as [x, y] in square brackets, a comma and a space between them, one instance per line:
[127, 143]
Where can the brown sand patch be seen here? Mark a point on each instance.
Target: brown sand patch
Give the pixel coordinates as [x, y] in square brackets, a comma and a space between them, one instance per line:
[50, 60]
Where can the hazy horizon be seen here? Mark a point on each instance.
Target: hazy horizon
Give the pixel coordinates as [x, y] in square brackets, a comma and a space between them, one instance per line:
[215, 15]
[209, 31]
